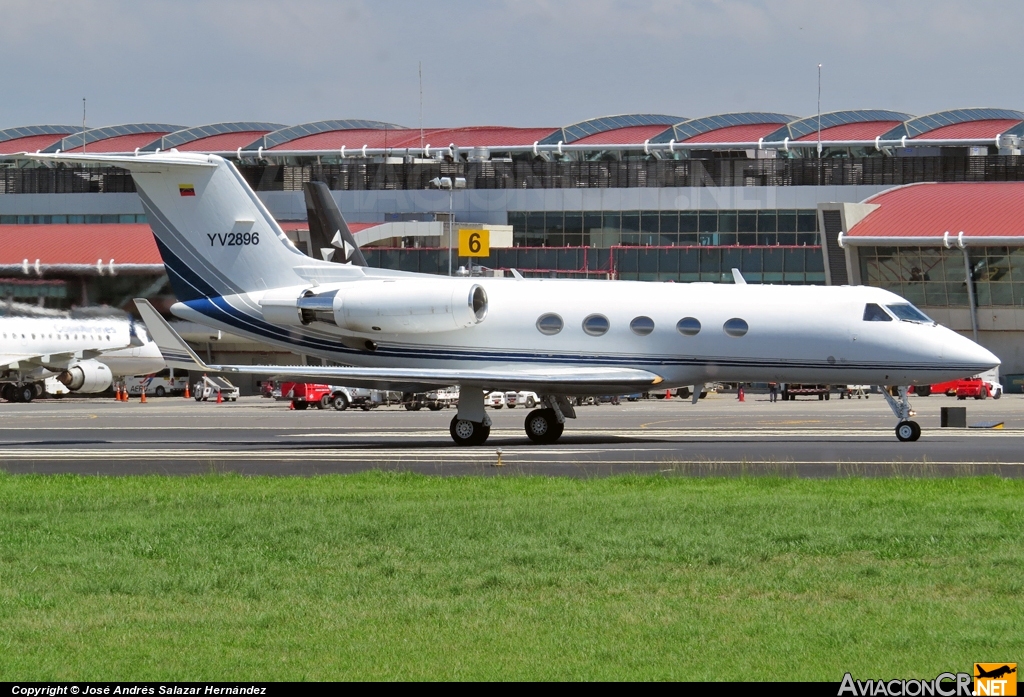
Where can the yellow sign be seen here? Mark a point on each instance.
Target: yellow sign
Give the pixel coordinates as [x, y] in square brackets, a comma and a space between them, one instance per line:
[995, 679]
[474, 242]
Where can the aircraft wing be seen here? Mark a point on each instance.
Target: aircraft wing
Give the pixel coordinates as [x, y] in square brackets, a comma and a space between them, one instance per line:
[52, 361]
[559, 379]
[9, 359]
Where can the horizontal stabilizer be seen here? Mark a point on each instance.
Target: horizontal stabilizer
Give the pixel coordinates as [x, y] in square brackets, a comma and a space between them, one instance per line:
[560, 379]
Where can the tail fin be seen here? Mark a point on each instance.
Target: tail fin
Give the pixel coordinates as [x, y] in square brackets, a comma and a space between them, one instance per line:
[215, 236]
[328, 232]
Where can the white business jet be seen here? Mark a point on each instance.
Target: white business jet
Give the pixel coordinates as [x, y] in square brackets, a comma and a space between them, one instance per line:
[233, 268]
[85, 355]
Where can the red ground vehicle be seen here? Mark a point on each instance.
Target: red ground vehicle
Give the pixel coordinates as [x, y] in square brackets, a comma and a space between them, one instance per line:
[304, 394]
[972, 387]
[961, 389]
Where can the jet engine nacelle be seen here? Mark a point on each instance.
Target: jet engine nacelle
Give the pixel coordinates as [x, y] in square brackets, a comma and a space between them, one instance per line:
[382, 307]
[86, 376]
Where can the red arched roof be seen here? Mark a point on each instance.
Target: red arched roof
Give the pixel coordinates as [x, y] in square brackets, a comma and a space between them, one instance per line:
[862, 130]
[987, 128]
[627, 135]
[984, 209]
[125, 143]
[125, 243]
[743, 133]
[28, 143]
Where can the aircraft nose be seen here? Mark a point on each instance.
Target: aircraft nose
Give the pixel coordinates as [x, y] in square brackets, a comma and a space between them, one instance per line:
[961, 351]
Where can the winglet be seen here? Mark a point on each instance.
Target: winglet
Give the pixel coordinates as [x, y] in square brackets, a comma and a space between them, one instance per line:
[175, 351]
[737, 277]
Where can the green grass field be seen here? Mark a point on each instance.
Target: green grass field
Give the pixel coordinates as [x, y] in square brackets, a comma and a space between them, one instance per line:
[383, 576]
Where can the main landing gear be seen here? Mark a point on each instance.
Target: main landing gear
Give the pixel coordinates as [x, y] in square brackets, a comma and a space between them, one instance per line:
[472, 426]
[906, 430]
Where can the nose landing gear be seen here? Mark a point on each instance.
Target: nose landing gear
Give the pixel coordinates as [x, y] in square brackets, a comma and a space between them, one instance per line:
[906, 430]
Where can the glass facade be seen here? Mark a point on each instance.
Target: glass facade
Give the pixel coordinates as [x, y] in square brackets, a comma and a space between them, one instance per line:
[765, 228]
[91, 219]
[936, 277]
[792, 265]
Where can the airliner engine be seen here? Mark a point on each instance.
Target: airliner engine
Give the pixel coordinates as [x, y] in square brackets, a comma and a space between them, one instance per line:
[382, 307]
[86, 376]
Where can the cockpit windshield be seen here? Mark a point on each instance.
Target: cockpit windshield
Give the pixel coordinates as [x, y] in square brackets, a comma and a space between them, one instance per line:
[909, 313]
[875, 313]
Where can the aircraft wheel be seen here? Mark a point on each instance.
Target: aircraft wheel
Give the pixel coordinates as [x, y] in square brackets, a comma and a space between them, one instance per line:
[542, 426]
[340, 403]
[908, 431]
[465, 432]
[7, 392]
[26, 393]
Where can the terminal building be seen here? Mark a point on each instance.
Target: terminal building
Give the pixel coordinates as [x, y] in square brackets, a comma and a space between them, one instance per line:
[927, 206]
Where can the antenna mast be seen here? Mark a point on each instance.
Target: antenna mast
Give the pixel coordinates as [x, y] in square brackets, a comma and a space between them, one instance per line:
[83, 125]
[421, 103]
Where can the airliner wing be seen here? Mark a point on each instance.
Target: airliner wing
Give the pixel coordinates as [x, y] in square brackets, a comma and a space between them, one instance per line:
[584, 379]
[53, 361]
[7, 360]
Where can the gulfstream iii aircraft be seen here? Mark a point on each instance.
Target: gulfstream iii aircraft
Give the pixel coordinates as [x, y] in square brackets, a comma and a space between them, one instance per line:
[233, 268]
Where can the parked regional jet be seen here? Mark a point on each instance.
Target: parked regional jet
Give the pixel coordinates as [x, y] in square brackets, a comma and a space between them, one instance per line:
[233, 268]
[84, 354]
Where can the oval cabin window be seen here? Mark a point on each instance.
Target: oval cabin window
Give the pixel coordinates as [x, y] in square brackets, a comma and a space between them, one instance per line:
[735, 327]
[549, 324]
[642, 326]
[596, 325]
[688, 326]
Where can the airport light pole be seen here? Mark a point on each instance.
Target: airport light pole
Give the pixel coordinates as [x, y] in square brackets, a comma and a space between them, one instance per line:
[449, 184]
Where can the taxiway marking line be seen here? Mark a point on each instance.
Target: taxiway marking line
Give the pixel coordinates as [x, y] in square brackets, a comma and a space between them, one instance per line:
[438, 456]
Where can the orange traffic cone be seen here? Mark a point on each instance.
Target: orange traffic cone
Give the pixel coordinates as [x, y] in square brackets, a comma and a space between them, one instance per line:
[740, 395]
[291, 406]
[124, 393]
[143, 397]
[187, 395]
[220, 398]
[668, 394]
[117, 393]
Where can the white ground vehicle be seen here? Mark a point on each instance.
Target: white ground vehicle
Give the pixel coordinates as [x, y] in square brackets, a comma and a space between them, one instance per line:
[206, 388]
[159, 385]
[495, 400]
[528, 399]
[991, 379]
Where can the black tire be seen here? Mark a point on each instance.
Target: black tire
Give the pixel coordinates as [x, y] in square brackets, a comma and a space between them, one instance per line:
[827, 396]
[8, 392]
[683, 393]
[703, 395]
[340, 402]
[542, 426]
[923, 390]
[198, 392]
[26, 393]
[434, 406]
[366, 407]
[325, 402]
[465, 432]
[160, 391]
[997, 394]
[530, 402]
[300, 406]
[961, 397]
[39, 388]
[908, 431]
